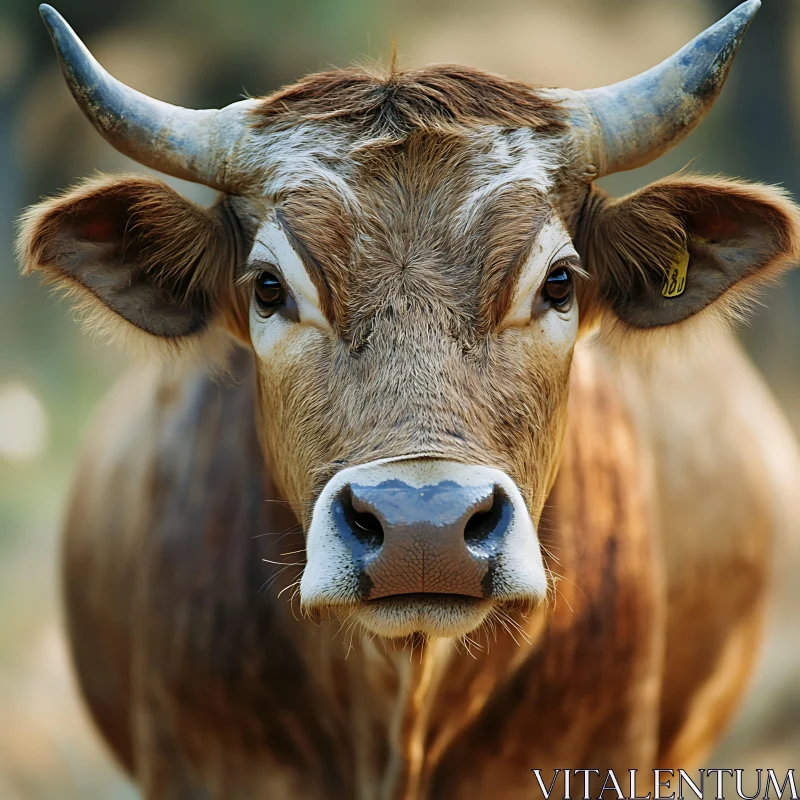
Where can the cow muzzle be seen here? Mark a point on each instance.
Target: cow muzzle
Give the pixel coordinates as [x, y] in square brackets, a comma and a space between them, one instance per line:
[421, 545]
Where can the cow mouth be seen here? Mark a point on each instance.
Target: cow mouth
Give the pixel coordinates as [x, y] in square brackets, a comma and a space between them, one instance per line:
[418, 599]
[435, 615]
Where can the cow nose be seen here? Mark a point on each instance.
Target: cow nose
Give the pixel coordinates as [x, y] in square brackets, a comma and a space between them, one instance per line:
[441, 538]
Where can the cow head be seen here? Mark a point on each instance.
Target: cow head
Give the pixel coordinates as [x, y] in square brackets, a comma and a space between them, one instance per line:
[412, 258]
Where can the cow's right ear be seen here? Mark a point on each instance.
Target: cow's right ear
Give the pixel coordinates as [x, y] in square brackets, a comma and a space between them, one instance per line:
[134, 246]
[685, 247]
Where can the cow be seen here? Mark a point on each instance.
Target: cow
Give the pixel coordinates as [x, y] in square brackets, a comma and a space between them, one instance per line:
[453, 469]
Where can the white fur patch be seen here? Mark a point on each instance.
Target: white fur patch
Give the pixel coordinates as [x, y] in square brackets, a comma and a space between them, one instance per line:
[290, 158]
[272, 247]
[503, 157]
[552, 243]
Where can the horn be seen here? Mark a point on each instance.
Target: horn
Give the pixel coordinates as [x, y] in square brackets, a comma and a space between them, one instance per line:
[631, 123]
[195, 145]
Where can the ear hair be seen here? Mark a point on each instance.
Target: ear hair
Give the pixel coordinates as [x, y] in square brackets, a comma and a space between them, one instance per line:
[176, 244]
[629, 241]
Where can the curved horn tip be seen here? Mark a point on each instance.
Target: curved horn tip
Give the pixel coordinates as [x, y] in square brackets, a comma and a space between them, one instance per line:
[51, 18]
[735, 23]
[181, 142]
[634, 121]
[63, 37]
[742, 15]
[749, 6]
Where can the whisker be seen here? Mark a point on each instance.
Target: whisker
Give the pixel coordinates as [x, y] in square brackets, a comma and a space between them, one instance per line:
[548, 553]
[291, 603]
[504, 619]
[294, 529]
[267, 583]
[522, 632]
[289, 586]
[469, 644]
[344, 625]
[352, 632]
[559, 577]
[572, 610]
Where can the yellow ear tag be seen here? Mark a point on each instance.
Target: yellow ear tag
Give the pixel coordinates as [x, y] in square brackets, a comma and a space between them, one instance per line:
[675, 279]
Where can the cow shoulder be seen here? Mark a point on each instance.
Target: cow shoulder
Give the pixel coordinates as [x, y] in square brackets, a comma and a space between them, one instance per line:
[105, 520]
[727, 468]
[181, 645]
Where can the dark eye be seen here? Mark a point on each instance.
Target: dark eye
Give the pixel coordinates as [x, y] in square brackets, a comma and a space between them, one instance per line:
[269, 292]
[558, 287]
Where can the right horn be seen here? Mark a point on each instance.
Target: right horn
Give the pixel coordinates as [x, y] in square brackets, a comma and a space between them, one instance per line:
[631, 123]
[196, 145]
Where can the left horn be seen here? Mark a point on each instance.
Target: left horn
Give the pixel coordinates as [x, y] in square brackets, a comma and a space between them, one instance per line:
[631, 123]
[182, 142]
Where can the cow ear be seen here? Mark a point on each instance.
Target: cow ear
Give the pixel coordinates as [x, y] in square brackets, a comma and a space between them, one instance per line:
[681, 245]
[135, 247]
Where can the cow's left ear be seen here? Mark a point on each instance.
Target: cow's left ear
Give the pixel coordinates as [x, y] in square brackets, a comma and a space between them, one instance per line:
[669, 251]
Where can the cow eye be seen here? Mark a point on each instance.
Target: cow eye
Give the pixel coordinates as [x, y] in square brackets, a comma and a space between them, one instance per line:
[558, 287]
[269, 292]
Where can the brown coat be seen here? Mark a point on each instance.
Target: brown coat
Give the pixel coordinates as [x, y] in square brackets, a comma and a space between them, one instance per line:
[415, 223]
[200, 676]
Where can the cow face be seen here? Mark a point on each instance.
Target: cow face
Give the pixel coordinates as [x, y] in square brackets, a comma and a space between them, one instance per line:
[411, 258]
[413, 309]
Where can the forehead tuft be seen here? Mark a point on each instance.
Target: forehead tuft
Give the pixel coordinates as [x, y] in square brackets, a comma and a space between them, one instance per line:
[398, 103]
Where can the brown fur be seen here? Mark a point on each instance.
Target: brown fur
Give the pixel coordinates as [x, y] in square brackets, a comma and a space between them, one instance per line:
[710, 529]
[314, 208]
[415, 278]
[208, 719]
[317, 715]
[189, 656]
[435, 98]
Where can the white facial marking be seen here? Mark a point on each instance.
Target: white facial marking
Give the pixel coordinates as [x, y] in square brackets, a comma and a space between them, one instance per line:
[560, 328]
[305, 153]
[552, 243]
[272, 247]
[505, 157]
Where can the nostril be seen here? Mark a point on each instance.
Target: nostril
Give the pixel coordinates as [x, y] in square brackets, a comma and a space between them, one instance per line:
[482, 525]
[365, 526]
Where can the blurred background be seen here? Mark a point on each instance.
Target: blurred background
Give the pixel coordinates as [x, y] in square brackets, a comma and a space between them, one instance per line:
[206, 53]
